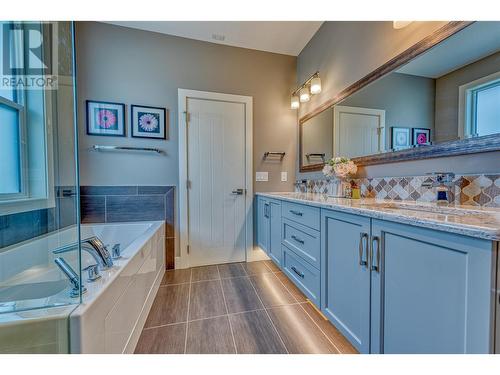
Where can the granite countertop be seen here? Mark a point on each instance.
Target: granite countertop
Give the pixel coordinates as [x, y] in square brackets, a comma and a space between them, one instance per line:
[466, 220]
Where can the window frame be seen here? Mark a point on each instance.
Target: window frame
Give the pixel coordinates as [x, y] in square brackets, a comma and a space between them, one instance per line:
[37, 182]
[467, 121]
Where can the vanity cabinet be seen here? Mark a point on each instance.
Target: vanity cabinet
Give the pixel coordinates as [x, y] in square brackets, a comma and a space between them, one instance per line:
[394, 288]
[388, 287]
[269, 227]
[346, 275]
[432, 292]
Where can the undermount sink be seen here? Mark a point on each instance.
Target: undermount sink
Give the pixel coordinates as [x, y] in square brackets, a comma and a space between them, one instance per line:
[422, 208]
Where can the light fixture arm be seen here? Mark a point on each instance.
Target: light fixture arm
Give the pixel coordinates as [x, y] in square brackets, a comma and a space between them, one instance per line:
[305, 84]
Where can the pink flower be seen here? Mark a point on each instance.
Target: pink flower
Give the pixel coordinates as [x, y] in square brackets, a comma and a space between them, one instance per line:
[105, 118]
[148, 122]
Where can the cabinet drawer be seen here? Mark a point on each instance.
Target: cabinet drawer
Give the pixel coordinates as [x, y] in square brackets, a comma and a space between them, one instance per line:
[302, 240]
[305, 215]
[306, 278]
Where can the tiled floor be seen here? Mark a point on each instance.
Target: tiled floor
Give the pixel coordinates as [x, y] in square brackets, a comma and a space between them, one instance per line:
[236, 308]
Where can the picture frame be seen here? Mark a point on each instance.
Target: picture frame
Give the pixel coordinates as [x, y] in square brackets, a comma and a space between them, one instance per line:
[148, 122]
[105, 118]
[400, 138]
[421, 136]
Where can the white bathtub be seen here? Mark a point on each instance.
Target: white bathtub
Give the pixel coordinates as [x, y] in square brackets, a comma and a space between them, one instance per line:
[115, 307]
[113, 311]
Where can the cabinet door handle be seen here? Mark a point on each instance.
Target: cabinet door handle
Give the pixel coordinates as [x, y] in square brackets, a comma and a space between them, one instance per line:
[296, 213]
[266, 210]
[301, 275]
[362, 246]
[298, 239]
[375, 245]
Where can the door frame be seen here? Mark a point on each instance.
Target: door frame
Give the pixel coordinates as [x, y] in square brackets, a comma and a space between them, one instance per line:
[337, 109]
[183, 95]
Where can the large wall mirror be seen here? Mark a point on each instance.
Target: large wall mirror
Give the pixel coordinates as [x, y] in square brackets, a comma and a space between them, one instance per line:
[445, 101]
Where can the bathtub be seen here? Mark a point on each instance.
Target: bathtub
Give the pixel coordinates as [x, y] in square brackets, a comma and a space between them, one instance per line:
[111, 314]
[115, 307]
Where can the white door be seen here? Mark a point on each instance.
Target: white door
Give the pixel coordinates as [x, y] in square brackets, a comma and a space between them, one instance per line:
[358, 131]
[216, 175]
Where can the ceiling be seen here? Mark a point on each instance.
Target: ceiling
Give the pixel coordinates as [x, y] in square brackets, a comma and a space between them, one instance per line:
[285, 37]
[473, 43]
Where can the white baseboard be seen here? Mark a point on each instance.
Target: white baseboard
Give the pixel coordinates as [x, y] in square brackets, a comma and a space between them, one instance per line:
[256, 254]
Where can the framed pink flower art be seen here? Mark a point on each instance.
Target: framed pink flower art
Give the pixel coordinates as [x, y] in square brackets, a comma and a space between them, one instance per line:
[148, 122]
[105, 118]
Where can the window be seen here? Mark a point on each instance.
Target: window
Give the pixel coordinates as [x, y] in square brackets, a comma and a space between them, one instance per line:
[26, 171]
[12, 131]
[480, 107]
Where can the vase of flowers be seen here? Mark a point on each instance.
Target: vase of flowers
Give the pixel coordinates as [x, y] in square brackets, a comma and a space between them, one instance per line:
[336, 170]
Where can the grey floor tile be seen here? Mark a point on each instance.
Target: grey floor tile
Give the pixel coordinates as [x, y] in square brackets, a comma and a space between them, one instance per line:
[254, 268]
[170, 305]
[271, 291]
[231, 270]
[169, 339]
[254, 334]
[340, 342]
[176, 277]
[210, 336]
[290, 286]
[298, 331]
[240, 295]
[205, 273]
[206, 300]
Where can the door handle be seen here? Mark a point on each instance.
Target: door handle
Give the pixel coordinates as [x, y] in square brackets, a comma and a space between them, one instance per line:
[362, 246]
[375, 267]
[238, 191]
[266, 210]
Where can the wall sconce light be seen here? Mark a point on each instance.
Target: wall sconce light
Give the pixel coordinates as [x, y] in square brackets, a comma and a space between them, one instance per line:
[302, 94]
[400, 24]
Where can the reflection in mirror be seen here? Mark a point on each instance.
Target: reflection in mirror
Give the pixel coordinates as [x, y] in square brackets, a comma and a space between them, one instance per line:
[449, 93]
[317, 136]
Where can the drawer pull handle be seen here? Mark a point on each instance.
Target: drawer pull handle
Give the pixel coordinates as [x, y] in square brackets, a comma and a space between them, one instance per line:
[297, 272]
[375, 247]
[297, 213]
[298, 239]
[362, 246]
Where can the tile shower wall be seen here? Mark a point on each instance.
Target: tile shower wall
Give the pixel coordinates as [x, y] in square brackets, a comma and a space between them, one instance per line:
[113, 204]
[24, 226]
[474, 190]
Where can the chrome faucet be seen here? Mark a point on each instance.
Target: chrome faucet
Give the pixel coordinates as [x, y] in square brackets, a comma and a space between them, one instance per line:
[94, 247]
[72, 276]
[443, 181]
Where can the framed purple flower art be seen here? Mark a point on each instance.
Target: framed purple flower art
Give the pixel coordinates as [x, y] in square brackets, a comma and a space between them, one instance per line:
[105, 118]
[149, 122]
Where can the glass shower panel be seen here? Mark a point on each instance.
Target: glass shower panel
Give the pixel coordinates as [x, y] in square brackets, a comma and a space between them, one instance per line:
[39, 200]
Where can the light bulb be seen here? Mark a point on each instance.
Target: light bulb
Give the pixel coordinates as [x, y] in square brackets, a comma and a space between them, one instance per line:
[304, 95]
[315, 85]
[294, 104]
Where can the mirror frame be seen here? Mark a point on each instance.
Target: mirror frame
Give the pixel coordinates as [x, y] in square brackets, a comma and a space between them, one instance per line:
[450, 148]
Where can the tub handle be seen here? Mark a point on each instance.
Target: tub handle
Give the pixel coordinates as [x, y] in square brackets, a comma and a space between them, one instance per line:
[116, 251]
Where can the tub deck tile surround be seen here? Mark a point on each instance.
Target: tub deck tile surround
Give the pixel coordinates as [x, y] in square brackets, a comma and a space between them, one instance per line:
[238, 321]
[111, 204]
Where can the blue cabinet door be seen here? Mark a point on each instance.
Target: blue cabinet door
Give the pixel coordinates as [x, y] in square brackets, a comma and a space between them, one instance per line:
[432, 291]
[345, 291]
[275, 232]
[263, 224]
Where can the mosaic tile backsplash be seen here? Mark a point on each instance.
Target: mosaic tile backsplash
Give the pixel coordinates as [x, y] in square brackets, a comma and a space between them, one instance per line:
[475, 190]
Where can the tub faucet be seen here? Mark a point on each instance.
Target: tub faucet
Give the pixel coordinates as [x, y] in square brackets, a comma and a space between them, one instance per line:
[72, 276]
[94, 247]
[442, 182]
